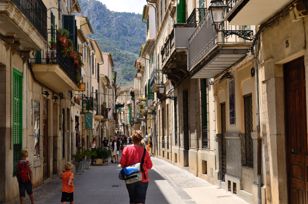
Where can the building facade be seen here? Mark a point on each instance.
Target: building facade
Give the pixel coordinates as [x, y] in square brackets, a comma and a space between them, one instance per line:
[43, 63]
[224, 86]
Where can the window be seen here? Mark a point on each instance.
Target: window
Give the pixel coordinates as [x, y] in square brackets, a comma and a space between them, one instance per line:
[161, 12]
[17, 117]
[232, 101]
[36, 126]
[175, 123]
[92, 63]
[167, 135]
[163, 127]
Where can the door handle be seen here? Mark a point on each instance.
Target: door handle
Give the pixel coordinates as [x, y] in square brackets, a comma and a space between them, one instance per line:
[292, 150]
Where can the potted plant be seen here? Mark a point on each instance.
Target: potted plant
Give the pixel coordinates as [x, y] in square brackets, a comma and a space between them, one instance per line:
[63, 37]
[78, 159]
[106, 153]
[88, 154]
[52, 45]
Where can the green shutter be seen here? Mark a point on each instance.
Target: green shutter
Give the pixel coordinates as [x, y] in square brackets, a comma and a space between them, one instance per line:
[201, 3]
[150, 93]
[17, 117]
[181, 11]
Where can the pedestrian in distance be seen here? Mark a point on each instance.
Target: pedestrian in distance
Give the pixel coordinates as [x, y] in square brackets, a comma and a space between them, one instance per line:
[67, 184]
[24, 177]
[132, 154]
[115, 150]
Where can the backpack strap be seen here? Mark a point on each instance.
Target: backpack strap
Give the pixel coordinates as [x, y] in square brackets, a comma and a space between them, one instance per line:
[142, 160]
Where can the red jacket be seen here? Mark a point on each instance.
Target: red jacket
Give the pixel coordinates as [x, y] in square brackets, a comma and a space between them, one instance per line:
[132, 154]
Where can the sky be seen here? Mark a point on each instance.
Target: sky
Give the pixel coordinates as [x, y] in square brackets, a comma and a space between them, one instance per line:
[134, 6]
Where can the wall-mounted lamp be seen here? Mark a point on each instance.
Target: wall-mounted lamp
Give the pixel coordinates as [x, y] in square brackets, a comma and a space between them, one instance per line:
[227, 75]
[217, 10]
[54, 97]
[45, 93]
[61, 96]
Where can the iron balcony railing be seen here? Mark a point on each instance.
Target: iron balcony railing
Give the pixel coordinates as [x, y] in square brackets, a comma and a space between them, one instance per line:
[196, 17]
[66, 63]
[168, 47]
[207, 35]
[232, 3]
[36, 12]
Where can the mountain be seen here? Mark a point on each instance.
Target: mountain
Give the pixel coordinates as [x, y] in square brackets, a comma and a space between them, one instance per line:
[119, 33]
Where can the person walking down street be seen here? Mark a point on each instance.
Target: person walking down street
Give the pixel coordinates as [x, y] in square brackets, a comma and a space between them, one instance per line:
[119, 147]
[114, 148]
[24, 177]
[105, 143]
[132, 154]
[67, 184]
[93, 147]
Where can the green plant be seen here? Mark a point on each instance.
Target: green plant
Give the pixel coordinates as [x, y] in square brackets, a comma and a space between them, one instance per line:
[64, 32]
[105, 153]
[88, 153]
[79, 156]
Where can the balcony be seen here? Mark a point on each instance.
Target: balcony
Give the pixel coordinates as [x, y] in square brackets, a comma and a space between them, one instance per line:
[253, 12]
[174, 53]
[23, 24]
[218, 51]
[57, 71]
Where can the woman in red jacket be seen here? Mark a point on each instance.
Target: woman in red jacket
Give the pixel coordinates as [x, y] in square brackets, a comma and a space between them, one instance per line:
[131, 155]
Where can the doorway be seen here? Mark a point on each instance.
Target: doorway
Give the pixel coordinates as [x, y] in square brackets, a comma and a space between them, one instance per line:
[186, 128]
[45, 140]
[296, 131]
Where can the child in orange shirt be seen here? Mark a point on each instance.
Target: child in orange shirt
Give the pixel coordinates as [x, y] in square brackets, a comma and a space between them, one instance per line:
[68, 184]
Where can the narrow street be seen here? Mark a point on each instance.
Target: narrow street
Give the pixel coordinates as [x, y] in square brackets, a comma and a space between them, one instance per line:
[169, 184]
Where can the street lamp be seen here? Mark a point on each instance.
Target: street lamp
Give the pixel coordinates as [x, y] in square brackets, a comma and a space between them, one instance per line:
[217, 10]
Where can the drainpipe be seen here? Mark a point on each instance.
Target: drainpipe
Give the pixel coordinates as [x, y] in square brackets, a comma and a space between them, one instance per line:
[259, 139]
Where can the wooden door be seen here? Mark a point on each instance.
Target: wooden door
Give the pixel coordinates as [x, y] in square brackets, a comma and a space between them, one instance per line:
[223, 140]
[296, 131]
[186, 127]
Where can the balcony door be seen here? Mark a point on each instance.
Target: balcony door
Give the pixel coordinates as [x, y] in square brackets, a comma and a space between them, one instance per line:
[296, 131]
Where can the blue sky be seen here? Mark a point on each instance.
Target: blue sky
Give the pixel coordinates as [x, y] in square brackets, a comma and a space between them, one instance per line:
[135, 6]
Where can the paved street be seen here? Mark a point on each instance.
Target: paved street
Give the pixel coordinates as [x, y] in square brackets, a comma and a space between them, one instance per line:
[169, 184]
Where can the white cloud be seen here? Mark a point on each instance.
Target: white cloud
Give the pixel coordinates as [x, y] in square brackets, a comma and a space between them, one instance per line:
[134, 6]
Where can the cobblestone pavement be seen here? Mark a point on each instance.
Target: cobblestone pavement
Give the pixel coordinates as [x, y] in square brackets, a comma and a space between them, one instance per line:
[169, 185]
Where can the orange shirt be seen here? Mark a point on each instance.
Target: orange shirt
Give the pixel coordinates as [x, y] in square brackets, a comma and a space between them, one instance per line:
[68, 182]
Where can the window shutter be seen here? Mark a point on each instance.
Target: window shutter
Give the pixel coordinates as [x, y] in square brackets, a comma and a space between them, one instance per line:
[17, 117]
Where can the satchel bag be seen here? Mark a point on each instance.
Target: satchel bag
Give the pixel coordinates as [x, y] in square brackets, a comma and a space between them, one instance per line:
[133, 173]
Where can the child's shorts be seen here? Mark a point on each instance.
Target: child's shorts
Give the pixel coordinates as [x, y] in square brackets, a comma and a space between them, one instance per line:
[23, 187]
[67, 197]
